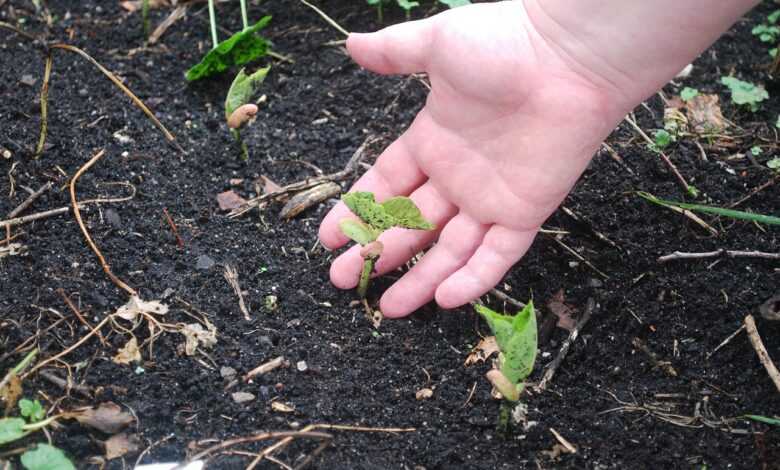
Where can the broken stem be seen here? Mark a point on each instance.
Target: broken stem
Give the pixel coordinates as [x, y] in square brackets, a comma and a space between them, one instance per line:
[213, 23]
[244, 16]
[365, 276]
[44, 105]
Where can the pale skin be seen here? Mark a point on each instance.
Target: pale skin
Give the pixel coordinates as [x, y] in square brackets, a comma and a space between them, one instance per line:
[523, 93]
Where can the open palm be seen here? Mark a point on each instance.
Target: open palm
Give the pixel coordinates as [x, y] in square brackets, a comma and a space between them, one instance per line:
[506, 131]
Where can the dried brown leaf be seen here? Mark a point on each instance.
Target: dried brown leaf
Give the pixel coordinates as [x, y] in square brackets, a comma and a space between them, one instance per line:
[562, 310]
[135, 5]
[423, 394]
[704, 114]
[281, 407]
[11, 392]
[137, 306]
[196, 336]
[122, 444]
[484, 349]
[108, 417]
[129, 353]
[229, 200]
[269, 186]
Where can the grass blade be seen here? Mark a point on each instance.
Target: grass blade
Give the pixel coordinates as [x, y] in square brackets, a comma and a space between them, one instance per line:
[731, 213]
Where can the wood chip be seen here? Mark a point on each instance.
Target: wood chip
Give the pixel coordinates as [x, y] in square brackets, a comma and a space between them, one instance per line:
[308, 198]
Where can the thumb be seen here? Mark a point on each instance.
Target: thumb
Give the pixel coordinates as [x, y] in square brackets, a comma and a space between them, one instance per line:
[399, 49]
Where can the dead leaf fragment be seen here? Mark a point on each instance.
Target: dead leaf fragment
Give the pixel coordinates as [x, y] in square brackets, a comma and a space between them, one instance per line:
[11, 392]
[242, 397]
[137, 306]
[484, 349]
[704, 114]
[108, 417]
[269, 186]
[229, 200]
[135, 5]
[562, 310]
[196, 336]
[122, 444]
[129, 353]
[281, 407]
[423, 394]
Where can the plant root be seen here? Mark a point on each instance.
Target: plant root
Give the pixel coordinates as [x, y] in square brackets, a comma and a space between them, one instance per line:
[763, 355]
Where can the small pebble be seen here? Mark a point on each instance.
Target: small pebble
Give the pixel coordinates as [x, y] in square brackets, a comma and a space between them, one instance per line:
[205, 263]
[302, 366]
[6, 154]
[28, 80]
[227, 373]
[242, 397]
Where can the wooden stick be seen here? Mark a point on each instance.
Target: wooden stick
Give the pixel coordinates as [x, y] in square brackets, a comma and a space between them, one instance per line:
[71, 348]
[30, 199]
[44, 105]
[553, 367]
[678, 255]
[77, 213]
[78, 314]
[763, 355]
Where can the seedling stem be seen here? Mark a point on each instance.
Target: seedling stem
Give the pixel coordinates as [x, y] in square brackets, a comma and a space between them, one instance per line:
[213, 23]
[244, 16]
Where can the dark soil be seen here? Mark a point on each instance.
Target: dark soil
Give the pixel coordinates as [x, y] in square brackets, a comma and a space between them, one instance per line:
[358, 375]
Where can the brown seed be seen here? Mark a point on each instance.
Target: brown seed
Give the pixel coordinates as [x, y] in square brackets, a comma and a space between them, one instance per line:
[241, 115]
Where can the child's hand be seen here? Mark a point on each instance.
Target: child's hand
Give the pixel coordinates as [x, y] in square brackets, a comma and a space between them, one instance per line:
[523, 93]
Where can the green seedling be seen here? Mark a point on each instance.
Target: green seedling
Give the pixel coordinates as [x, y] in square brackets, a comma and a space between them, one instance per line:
[380, 6]
[688, 93]
[239, 108]
[241, 48]
[773, 163]
[745, 93]
[730, 213]
[408, 6]
[766, 33]
[661, 139]
[374, 219]
[764, 419]
[773, 17]
[455, 3]
[756, 150]
[145, 17]
[516, 337]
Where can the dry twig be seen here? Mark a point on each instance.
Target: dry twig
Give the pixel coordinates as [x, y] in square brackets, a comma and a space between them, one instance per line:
[763, 355]
[679, 255]
[231, 276]
[175, 231]
[44, 105]
[553, 367]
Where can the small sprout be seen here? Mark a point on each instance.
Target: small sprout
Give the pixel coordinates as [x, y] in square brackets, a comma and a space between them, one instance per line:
[241, 115]
[745, 93]
[756, 150]
[455, 3]
[662, 139]
[773, 17]
[407, 5]
[241, 48]
[774, 163]
[516, 337]
[375, 218]
[688, 93]
[766, 33]
[32, 410]
[773, 52]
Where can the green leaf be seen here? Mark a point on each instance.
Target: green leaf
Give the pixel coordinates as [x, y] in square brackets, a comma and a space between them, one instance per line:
[773, 17]
[11, 429]
[764, 419]
[32, 410]
[407, 4]
[731, 213]
[357, 231]
[756, 150]
[766, 33]
[455, 3]
[46, 457]
[363, 205]
[773, 163]
[688, 93]
[241, 48]
[745, 93]
[243, 88]
[662, 139]
[516, 338]
[406, 213]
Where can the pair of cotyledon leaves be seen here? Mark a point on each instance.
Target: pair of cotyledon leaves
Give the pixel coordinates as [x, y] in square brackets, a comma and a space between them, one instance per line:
[375, 217]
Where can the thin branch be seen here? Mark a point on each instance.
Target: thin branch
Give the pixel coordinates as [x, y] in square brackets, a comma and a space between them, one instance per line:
[327, 18]
[44, 105]
[680, 178]
[71, 348]
[680, 255]
[175, 231]
[763, 355]
[77, 213]
[78, 314]
[553, 367]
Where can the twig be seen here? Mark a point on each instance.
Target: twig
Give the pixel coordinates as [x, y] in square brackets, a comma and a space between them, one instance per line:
[66, 384]
[30, 199]
[553, 367]
[71, 348]
[77, 213]
[152, 446]
[176, 15]
[507, 298]
[678, 255]
[726, 341]
[666, 366]
[259, 370]
[683, 183]
[329, 427]
[755, 191]
[124, 89]
[568, 446]
[254, 438]
[78, 314]
[231, 276]
[615, 156]
[580, 257]
[44, 105]
[327, 18]
[175, 231]
[58, 211]
[763, 355]
[589, 225]
[18, 31]
[695, 218]
[350, 169]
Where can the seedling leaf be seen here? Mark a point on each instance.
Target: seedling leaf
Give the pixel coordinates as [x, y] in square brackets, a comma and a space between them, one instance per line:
[731, 213]
[11, 429]
[745, 93]
[688, 93]
[32, 410]
[363, 205]
[241, 48]
[406, 213]
[774, 163]
[46, 457]
[243, 88]
[357, 231]
[517, 340]
[455, 3]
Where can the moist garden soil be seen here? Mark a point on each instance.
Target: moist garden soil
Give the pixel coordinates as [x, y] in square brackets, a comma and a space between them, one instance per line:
[608, 398]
